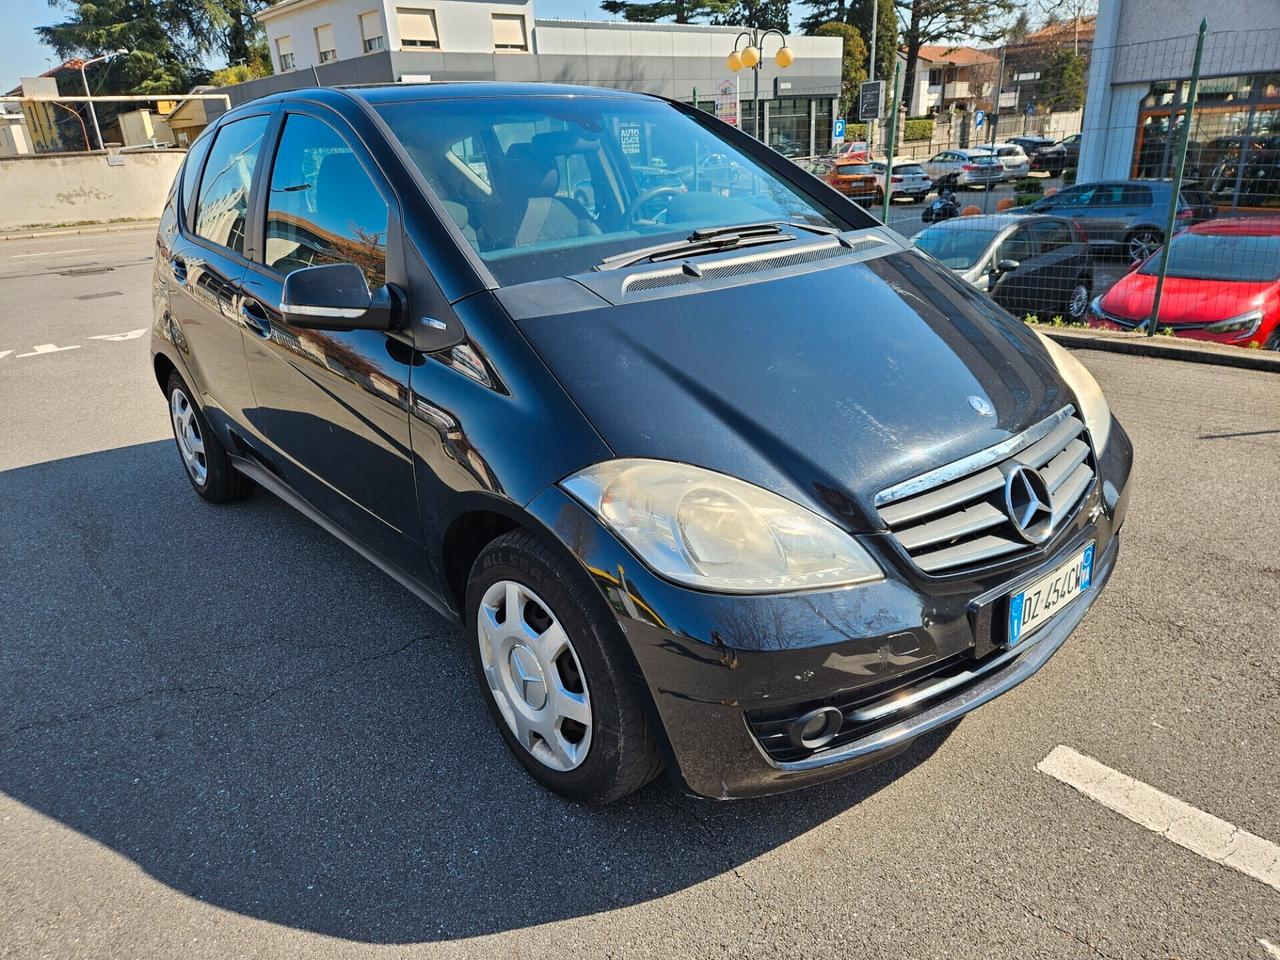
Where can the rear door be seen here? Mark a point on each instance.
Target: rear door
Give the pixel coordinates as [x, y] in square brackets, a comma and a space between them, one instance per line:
[206, 263]
[332, 406]
[1060, 261]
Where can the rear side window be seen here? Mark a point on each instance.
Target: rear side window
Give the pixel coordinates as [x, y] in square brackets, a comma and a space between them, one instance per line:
[323, 206]
[1052, 235]
[223, 203]
[1132, 195]
[191, 171]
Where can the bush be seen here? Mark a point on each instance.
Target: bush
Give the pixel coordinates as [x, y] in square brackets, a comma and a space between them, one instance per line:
[917, 128]
[855, 131]
[1069, 175]
[1024, 199]
[1029, 185]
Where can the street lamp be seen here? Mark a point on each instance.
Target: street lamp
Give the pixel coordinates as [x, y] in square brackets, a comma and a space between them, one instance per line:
[93, 114]
[751, 56]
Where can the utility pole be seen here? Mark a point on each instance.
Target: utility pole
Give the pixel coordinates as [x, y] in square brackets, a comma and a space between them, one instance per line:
[93, 114]
[871, 72]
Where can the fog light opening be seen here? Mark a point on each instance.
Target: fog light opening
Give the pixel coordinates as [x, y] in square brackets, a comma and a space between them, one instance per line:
[817, 728]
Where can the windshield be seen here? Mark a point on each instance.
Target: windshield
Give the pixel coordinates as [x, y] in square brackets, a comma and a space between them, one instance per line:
[1233, 257]
[958, 246]
[550, 186]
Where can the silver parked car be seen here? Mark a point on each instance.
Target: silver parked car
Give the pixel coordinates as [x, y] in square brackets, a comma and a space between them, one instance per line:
[907, 180]
[965, 168]
[1013, 158]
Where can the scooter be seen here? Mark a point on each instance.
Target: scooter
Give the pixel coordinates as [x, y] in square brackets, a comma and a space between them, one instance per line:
[945, 207]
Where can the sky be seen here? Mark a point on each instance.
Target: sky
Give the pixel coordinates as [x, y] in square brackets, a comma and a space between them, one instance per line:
[22, 55]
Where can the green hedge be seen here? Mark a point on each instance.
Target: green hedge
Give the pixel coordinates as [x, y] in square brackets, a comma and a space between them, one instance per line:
[855, 131]
[917, 128]
[1029, 185]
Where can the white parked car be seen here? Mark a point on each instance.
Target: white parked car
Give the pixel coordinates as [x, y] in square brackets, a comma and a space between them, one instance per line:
[1013, 158]
[907, 180]
[965, 168]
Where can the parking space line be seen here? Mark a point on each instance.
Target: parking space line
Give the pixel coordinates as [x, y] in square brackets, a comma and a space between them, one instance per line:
[47, 253]
[1176, 821]
[1271, 948]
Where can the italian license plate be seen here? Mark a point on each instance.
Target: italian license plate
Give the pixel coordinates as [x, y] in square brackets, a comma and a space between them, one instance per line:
[1037, 604]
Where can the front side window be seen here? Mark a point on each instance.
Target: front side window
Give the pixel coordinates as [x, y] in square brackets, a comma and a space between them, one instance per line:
[223, 200]
[1052, 235]
[323, 206]
[1018, 246]
[550, 186]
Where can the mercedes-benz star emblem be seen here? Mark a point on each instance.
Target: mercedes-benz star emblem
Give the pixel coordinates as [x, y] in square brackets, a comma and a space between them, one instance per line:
[1029, 504]
[982, 407]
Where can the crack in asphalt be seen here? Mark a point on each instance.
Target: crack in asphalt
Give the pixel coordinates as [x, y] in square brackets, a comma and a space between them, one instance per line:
[181, 690]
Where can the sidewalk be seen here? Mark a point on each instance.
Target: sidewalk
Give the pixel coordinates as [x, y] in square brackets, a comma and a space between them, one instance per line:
[74, 230]
[1167, 348]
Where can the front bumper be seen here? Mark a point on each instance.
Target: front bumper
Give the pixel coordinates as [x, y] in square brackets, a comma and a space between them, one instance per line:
[712, 662]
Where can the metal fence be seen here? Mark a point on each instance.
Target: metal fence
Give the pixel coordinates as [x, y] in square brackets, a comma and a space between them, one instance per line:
[1181, 140]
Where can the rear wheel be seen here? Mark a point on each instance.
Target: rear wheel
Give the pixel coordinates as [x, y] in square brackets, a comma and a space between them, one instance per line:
[1077, 305]
[1143, 242]
[203, 456]
[554, 672]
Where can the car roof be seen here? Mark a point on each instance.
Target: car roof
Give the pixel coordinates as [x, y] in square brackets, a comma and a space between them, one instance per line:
[377, 94]
[1267, 226]
[996, 221]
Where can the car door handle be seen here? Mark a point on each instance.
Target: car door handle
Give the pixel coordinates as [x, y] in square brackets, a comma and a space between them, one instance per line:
[255, 317]
[179, 268]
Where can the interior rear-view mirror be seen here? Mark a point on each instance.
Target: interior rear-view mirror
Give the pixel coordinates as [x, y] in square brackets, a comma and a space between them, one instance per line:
[336, 296]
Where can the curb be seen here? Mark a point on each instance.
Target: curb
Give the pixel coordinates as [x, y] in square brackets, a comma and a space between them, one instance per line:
[88, 228]
[1165, 348]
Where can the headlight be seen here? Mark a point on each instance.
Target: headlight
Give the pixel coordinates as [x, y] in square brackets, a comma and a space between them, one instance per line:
[1246, 325]
[1093, 405]
[1095, 307]
[706, 530]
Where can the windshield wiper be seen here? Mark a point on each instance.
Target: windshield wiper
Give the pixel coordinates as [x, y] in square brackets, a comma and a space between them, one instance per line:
[702, 240]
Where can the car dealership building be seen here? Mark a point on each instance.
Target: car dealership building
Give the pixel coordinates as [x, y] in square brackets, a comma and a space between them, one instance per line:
[331, 42]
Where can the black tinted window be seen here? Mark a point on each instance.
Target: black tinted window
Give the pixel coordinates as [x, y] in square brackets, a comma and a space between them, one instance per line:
[1052, 235]
[323, 206]
[191, 170]
[1132, 195]
[224, 188]
[1017, 246]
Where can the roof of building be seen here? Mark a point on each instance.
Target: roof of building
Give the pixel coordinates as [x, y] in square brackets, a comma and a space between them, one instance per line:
[957, 56]
[1065, 32]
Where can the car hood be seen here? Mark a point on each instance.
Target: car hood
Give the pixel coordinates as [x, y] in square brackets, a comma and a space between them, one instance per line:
[1184, 300]
[825, 386]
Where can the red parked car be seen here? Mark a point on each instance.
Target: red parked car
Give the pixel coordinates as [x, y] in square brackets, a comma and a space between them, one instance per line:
[1223, 285]
[853, 150]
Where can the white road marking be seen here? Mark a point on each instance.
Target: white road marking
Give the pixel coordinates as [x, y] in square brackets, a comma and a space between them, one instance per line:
[47, 253]
[1271, 948]
[1179, 822]
[120, 337]
[4, 353]
[40, 348]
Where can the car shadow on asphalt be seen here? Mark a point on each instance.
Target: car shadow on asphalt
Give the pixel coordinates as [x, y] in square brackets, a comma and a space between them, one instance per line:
[261, 720]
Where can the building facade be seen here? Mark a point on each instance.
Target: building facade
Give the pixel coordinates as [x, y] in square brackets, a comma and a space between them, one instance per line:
[1139, 85]
[331, 42]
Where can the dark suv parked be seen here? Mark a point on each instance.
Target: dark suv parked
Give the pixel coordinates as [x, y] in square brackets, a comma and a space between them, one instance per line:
[723, 477]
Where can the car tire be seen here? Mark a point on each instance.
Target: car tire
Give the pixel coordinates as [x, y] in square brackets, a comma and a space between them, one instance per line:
[1143, 242]
[559, 682]
[1076, 309]
[204, 458]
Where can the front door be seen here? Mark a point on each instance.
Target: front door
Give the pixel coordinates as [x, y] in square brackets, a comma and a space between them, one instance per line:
[333, 405]
[206, 265]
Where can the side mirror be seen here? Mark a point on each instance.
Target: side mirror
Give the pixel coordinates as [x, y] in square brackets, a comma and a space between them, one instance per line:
[335, 296]
[1040, 206]
[1007, 266]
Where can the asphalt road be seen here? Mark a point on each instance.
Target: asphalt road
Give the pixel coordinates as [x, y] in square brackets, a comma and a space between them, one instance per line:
[222, 734]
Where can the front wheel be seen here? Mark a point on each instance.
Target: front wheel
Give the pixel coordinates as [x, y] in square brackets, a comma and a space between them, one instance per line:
[554, 672]
[1273, 341]
[1143, 243]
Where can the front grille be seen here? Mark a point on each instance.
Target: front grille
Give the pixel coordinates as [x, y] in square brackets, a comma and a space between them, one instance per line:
[954, 519]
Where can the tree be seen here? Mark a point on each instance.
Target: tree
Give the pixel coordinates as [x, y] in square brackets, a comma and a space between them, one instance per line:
[931, 21]
[156, 33]
[1019, 29]
[1062, 82]
[852, 71]
[886, 33]
[761, 14]
[678, 11]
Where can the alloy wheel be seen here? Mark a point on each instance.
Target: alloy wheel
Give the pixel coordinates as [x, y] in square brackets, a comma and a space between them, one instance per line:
[534, 675]
[1079, 302]
[1143, 244]
[186, 428]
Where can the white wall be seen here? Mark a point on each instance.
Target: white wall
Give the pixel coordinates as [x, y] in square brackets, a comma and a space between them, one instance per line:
[84, 188]
[463, 26]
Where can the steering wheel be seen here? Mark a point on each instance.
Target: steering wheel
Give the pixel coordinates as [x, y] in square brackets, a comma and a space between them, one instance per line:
[633, 209]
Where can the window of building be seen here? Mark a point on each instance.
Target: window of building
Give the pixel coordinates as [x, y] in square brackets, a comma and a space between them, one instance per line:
[935, 77]
[284, 53]
[788, 120]
[509, 33]
[822, 127]
[371, 31]
[1029, 75]
[417, 28]
[223, 199]
[325, 45]
[323, 206]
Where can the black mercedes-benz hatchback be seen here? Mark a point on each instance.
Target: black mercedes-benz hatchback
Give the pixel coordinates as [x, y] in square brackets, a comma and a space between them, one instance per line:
[719, 474]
